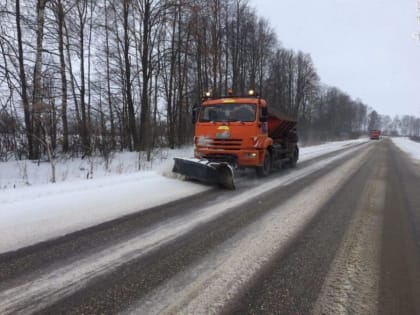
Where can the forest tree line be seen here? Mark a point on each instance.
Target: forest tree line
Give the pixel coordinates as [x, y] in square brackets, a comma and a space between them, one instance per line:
[88, 76]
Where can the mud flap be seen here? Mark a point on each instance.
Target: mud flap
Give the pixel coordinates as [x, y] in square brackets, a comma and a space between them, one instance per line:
[204, 171]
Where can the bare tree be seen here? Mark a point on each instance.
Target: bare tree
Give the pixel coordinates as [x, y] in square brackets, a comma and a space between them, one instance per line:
[127, 73]
[108, 78]
[37, 104]
[128, 83]
[60, 18]
[374, 120]
[23, 85]
[82, 13]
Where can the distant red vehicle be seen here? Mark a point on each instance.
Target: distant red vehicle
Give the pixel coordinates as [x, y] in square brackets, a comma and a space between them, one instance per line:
[375, 134]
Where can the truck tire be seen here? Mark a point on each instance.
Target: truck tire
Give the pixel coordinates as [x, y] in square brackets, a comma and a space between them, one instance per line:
[294, 158]
[265, 169]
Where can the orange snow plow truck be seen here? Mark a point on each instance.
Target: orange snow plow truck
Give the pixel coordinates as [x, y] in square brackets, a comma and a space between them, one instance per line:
[235, 132]
[375, 134]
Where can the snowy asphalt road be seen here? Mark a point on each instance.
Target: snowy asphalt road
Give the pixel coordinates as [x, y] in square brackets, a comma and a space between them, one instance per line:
[339, 234]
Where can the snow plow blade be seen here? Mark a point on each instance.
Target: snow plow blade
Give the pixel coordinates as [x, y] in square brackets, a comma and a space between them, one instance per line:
[205, 171]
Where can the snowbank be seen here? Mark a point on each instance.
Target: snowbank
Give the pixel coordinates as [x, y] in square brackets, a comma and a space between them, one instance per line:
[14, 174]
[408, 146]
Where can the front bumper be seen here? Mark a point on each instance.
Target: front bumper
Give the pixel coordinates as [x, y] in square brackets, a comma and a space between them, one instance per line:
[245, 158]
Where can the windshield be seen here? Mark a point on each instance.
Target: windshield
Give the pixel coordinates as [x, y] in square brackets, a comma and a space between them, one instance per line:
[228, 112]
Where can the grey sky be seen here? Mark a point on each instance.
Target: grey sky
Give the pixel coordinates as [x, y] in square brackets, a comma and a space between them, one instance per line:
[365, 48]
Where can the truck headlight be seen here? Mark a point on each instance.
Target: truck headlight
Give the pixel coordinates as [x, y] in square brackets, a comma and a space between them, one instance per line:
[249, 155]
[203, 141]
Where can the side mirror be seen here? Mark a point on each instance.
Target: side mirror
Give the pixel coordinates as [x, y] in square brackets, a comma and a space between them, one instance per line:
[263, 114]
[194, 114]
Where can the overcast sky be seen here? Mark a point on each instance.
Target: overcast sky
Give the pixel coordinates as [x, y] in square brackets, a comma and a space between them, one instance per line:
[365, 48]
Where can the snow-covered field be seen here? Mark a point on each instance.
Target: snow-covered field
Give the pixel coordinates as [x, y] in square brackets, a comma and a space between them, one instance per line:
[40, 210]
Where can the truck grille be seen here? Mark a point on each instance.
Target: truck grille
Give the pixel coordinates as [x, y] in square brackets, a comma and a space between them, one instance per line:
[230, 144]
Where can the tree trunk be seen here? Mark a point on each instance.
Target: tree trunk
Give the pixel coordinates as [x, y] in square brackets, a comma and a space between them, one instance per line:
[37, 106]
[60, 16]
[145, 60]
[24, 89]
[72, 78]
[108, 80]
[84, 127]
[129, 96]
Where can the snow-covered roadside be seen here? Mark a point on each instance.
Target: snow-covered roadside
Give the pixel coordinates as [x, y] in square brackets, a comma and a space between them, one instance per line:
[36, 213]
[310, 152]
[57, 212]
[408, 146]
[17, 174]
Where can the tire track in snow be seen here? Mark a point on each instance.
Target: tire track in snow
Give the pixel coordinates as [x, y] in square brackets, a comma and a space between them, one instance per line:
[352, 284]
[220, 276]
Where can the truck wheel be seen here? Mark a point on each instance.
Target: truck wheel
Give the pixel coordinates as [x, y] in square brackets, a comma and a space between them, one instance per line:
[294, 158]
[265, 169]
